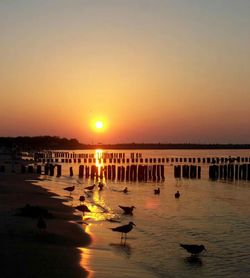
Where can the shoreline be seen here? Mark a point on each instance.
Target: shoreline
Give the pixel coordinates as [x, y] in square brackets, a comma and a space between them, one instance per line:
[27, 252]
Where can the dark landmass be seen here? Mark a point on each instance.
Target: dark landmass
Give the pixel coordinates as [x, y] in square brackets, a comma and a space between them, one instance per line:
[39, 143]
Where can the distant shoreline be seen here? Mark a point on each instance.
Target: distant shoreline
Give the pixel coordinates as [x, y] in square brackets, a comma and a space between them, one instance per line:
[167, 146]
[56, 143]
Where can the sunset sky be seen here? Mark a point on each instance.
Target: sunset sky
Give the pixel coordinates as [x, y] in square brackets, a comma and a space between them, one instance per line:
[151, 71]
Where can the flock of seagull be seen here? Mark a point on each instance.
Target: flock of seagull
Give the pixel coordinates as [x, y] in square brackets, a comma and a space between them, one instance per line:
[193, 249]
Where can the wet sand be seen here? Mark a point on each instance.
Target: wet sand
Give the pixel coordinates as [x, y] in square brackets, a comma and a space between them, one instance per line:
[27, 252]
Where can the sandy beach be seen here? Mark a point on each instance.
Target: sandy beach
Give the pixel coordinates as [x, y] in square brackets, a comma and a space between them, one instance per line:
[27, 252]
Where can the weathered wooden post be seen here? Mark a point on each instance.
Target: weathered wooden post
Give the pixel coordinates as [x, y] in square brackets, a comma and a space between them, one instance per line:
[119, 173]
[51, 170]
[122, 173]
[199, 172]
[39, 169]
[145, 173]
[236, 171]
[150, 172]
[30, 169]
[81, 171]
[109, 172]
[23, 169]
[113, 172]
[177, 171]
[127, 173]
[162, 172]
[154, 172]
[248, 171]
[71, 171]
[87, 172]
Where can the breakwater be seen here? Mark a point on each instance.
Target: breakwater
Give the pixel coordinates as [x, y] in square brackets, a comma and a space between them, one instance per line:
[135, 166]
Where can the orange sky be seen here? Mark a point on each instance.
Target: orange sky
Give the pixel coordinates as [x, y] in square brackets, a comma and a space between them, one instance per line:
[153, 71]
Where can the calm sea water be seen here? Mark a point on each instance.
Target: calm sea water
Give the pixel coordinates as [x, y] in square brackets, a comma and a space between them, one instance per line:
[213, 213]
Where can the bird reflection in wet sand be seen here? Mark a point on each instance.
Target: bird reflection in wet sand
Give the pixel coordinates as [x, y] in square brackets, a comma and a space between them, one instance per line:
[193, 260]
[122, 249]
[124, 229]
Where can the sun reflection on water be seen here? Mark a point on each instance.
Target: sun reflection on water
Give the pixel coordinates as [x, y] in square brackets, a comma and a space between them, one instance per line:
[99, 160]
[85, 261]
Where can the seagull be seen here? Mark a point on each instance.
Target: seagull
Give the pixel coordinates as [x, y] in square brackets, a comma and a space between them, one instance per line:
[194, 249]
[125, 190]
[90, 188]
[177, 194]
[124, 229]
[41, 224]
[127, 210]
[70, 189]
[82, 208]
[157, 191]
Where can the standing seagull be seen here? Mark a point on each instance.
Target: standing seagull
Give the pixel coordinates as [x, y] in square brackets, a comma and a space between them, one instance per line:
[177, 194]
[193, 249]
[127, 210]
[124, 230]
[82, 208]
[157, 191]
[69, 189]
[90, 188]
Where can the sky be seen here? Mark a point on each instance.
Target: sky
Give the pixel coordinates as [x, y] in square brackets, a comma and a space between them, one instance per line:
[151, 70]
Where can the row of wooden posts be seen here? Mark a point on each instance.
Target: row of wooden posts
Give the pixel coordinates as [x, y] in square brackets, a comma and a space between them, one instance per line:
[110, 172]
[199, 160]
[230, 171]
[143, 172]
[187, 171]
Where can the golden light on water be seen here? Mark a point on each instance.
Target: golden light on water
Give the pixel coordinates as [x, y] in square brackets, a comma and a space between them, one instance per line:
[85, 261]
[99, 160]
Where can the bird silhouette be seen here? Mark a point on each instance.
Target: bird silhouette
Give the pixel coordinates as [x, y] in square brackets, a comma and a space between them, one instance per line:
[193, 249]
[70, 189]
[157, 191]
[177, 194]
[82, 208]
[81, 199]
[127, 210]
[124, 229]
[90, 188]
[125, 190]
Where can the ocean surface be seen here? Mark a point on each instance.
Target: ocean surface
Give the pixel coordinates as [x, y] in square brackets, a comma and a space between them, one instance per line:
[213, 213]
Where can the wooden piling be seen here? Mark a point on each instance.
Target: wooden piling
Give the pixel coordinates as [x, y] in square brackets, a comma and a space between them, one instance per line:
[71, 172]
[39, 169]
[59, 170]
[81, 171]
[51, 170]
[113, 172]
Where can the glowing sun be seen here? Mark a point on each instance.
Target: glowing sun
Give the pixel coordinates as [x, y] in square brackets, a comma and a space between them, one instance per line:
[99, 124]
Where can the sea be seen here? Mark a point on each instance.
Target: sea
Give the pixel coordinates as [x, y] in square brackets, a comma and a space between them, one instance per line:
[215, 213]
